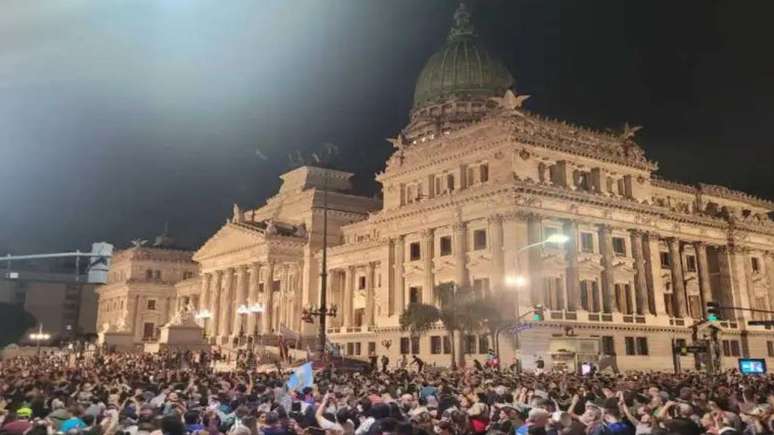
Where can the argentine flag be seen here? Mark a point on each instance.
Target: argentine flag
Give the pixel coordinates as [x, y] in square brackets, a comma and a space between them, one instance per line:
[301, 377]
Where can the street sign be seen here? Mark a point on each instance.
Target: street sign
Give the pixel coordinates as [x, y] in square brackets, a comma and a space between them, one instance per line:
[696, 348]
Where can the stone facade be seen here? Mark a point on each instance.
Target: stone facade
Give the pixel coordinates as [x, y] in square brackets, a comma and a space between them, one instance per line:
[473, 180]
[142, 290]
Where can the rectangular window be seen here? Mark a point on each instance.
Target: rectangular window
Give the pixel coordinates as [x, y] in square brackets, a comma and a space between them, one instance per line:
[148, 331]
[595, 300]
[484, 172]
[735, 348]
[260, 287]
[371, 347]
[404, 345]
[608, 345]
[157, 274]
[726, 348]
[350, 348]
[471, 175]
[642, 345]
[668, 304]
[275, 286]
[415, 295]
[415, 345]
[770, 348]
[756, 267]
[450, 182]
[619, 246]
[587, 242]
[148, 274]
[665, 260]
[629, 345]
[694, 304]
[150, 304]
[690, 263]
[481, 286]
[435, 344]
[446, 345]
[361, 283]
[445, 245]
[479, 240]
[470, 344]
[483, 343]
[415, 252]
[357, 348]
[584, 295]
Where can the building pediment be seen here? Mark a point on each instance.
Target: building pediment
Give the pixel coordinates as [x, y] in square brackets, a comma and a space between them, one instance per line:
[590, 264]
[624, 265]
[229, 239]
[444, 264]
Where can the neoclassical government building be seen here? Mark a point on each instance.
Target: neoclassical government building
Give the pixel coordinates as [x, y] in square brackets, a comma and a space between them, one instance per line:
[473, 182]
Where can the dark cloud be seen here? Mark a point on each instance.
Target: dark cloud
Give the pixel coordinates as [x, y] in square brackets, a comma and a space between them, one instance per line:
[116, 116]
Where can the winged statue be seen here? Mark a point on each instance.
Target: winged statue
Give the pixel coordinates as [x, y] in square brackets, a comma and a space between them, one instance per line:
[138, 243]
[510, 101]
[629, 131]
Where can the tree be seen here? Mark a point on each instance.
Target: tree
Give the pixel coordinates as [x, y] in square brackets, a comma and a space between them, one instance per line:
[460, 310]
[14, 322]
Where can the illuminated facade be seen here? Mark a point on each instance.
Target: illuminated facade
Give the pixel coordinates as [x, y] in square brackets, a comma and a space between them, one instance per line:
[475, 178]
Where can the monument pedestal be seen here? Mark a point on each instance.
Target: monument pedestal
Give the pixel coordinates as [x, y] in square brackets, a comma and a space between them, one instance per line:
[122, 341]
[181, 335]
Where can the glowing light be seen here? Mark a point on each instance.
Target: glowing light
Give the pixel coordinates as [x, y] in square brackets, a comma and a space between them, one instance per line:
[557, 238]
[516, 281]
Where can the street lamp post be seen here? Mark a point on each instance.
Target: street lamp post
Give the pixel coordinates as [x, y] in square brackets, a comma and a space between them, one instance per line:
[39, 337]
[520, 281]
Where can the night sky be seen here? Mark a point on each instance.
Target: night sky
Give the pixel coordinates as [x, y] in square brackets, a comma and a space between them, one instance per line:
[118, 116]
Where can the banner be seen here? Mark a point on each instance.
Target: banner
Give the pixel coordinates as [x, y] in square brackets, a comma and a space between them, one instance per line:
[301, 377]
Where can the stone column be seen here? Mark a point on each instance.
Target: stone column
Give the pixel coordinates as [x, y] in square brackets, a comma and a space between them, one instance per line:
[285, 297]
[215, 303]
[333, 297]
[651, 252]
[678, 282]
[268, 312]
[460, 257]
[349, 279]
[728, 294]
[428, 290]
[498, 253]
[535, 235]
[769, 264]
[704, 277]
[241, 299]
[571, 230]
[369, 308]
[400, 292]
[609, 303]
[205, 295]
[252, 297]
[740, 259]
[298, 297]
[226, 300]
[640, 276]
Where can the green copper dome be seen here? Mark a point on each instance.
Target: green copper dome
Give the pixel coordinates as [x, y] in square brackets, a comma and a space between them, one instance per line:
[462, 69]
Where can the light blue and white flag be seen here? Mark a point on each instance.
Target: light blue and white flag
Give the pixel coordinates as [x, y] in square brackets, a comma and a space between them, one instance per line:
[301, 377]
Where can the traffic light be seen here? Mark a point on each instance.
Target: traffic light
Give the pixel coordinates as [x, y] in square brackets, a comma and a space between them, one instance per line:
[537, 312]
[713, 313]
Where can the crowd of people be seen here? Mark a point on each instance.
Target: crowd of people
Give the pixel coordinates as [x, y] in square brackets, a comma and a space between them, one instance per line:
[179, 394]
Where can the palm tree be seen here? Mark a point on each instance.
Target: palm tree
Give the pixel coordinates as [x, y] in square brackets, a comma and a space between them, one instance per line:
[460, 310]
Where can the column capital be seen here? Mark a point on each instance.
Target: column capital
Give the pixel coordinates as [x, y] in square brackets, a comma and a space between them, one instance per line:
[459, 226]
[496, 218]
